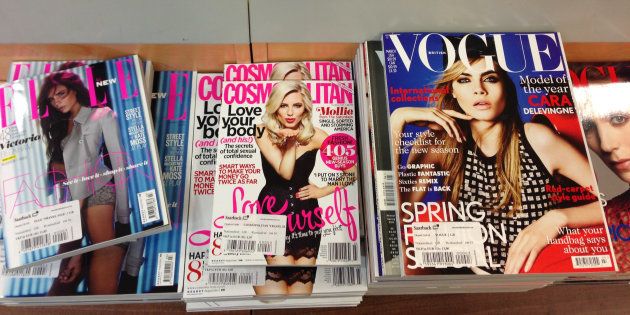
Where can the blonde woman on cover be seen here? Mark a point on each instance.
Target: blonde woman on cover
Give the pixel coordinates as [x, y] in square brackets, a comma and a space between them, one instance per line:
[289, 146]
[290, 71]
[502, 163]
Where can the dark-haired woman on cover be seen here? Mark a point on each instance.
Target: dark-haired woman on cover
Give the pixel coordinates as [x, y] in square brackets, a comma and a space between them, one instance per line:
[76, 136]
[604, 109]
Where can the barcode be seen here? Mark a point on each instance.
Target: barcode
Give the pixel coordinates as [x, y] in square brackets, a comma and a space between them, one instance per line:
[388, 190]
[43, 240]
[28, 271]
[437, 258]
[247, 246]
[230, 278]
[344, 276]
[166, 266]
[263, 247]
[241, 246]
[343, 252]
[148, 206]
[463, 258]
[598, 261]
[151, 206]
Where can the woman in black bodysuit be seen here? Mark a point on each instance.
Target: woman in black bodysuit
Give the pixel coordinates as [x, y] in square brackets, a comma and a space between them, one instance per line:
[289, 147]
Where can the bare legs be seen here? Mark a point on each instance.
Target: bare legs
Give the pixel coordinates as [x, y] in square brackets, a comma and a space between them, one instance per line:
[105, 263]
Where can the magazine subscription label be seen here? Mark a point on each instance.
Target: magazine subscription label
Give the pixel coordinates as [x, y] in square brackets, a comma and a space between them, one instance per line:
[99, 152]
[482, 127]
[288, 149]
[601, 91]
[299, 70]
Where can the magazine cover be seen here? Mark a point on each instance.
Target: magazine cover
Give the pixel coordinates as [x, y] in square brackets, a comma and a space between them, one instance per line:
[491, 167]
[298, 70]
[75, 155]
[287, 166]
[172, 103]
[381, 155]
[151, 264]
[601, 97]
[204, 152]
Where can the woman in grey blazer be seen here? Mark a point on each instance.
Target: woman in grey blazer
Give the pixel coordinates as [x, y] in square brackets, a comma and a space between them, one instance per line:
[76, 138]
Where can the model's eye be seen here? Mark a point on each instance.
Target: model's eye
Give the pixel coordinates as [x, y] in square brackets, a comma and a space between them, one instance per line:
[491, 79]
[297, 105]
[61, 94]
[588, 125]
[463, 80]
[283, 105]
[618, 119]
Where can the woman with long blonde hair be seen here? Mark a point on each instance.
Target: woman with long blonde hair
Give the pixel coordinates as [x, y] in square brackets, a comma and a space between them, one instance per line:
[498, 162]
[289, 146]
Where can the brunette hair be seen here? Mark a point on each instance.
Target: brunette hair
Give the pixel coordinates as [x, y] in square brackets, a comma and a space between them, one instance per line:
[55, 124]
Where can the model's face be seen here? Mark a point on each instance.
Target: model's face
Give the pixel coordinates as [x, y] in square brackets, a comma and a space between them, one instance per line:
[480, 93]
[607, 129]
[63, 99]
[294, 75]
[291, 110]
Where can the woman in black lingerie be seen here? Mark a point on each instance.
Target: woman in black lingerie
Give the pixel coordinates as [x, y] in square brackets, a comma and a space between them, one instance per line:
[289, 146]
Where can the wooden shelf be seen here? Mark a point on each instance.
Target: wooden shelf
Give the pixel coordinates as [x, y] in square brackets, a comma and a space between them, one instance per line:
[557, 299]
[201, 57]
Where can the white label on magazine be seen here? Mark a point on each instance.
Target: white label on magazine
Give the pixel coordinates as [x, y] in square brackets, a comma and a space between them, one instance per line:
[166, 269]
[595, 261]
[148, 206]
[449, 244]
[46, 226]
[48, 270]
[231, 276]
[254, 233]
[386, 192]
[342, 276]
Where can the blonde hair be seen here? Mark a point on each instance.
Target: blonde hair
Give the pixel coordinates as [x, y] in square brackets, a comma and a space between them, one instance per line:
[508, 163]
[270, 120]
[282, 69]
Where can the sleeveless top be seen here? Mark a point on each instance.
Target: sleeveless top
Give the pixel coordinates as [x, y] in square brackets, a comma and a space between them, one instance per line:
[481, 184]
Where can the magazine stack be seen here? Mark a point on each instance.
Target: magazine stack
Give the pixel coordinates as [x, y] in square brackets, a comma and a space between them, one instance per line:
[433, 163]
[468, 136]
[86, 227]
[285, 231]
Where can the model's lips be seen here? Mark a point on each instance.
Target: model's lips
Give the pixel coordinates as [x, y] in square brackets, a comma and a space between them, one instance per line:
[621, 165]
[290, 120]
[481, 105]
